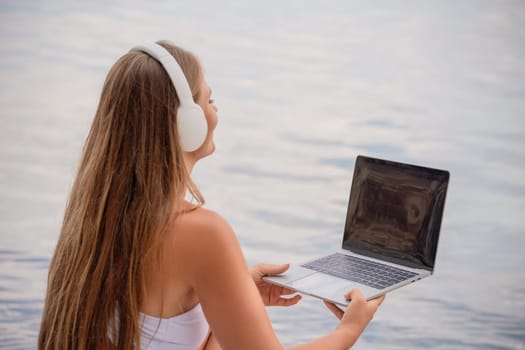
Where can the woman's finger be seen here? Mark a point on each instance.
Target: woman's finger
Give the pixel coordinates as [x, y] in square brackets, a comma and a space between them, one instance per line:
[335, 310]
[377, 301]
[354, 294]
[270, 269]
[286, 291]
[289, 301]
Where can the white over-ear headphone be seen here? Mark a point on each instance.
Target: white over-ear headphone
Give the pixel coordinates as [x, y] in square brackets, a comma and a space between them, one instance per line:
[191, 122]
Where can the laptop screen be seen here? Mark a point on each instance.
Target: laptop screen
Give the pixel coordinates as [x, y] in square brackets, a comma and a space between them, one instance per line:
[395, 211]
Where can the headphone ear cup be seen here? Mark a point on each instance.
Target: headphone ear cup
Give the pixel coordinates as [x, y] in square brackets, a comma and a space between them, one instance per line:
[192, 127]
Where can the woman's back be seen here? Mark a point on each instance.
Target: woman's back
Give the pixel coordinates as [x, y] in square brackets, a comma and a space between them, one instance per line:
[168, 292]
[171, 316]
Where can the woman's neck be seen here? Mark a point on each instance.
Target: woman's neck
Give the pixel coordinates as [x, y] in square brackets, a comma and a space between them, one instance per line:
[189, 161]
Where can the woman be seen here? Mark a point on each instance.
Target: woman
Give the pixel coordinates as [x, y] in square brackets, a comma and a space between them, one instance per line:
[138, 264]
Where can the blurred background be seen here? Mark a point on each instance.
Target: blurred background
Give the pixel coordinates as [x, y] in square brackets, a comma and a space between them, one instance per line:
[302, 88]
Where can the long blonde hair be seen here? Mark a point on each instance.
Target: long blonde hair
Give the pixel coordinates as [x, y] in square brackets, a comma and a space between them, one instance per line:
[130, 185]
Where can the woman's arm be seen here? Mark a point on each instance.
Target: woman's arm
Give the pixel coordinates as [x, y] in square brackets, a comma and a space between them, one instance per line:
[335, 339]
[217, 271]
[353, 322]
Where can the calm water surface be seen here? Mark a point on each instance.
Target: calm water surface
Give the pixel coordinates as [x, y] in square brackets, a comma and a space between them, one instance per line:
[302, 88]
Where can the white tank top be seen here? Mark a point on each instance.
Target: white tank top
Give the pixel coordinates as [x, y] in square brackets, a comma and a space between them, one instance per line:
[186, 331]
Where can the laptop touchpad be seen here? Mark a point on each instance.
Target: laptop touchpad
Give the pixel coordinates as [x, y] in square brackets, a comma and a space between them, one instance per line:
[325, 286]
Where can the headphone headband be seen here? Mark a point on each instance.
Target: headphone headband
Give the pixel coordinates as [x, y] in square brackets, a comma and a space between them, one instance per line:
[191, 121]
[171, 67]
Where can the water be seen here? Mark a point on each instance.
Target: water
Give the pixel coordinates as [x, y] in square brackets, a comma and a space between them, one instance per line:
[302, 88]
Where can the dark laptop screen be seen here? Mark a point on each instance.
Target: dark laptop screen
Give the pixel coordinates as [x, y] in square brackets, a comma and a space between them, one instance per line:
[394, 211]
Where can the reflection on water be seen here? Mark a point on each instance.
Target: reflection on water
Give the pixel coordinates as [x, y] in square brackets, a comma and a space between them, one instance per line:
[21, 289]
[301, 91]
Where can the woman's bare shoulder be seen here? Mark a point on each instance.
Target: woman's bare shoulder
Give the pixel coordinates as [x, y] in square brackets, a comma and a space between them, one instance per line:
[201, 241]
[200, 228]
[200, 221]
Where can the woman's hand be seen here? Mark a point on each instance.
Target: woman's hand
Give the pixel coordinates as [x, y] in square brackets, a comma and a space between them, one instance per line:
[271, 294]
[359, 313]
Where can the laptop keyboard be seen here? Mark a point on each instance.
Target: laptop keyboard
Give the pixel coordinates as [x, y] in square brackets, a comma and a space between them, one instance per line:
[366, 272]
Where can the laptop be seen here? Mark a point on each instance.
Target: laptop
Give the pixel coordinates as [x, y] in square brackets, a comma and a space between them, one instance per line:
[390, 237]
